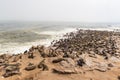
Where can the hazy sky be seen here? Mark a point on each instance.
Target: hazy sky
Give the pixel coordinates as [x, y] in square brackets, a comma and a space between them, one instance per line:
[61, 10]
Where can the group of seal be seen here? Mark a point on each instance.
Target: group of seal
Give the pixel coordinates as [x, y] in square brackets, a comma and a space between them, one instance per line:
[70, 48]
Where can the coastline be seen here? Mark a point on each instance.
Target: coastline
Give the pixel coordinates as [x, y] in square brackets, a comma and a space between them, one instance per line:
[73, 55]
[17, 35]
[14, 41]
[16, 47]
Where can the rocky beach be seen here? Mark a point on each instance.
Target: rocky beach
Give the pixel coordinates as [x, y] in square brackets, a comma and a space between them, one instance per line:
[79, 55]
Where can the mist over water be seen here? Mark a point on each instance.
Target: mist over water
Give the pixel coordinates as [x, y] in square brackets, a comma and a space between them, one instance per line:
[16, 37]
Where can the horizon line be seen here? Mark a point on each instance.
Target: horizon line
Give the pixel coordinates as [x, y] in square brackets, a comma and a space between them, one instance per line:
[56, 21]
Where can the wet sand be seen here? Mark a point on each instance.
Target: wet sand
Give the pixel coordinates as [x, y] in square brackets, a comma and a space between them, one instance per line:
[81, 55]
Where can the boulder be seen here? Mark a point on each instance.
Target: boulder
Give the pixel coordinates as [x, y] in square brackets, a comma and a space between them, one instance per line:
[68, 63]
[102, 67]
[64, 71]
[66, 66]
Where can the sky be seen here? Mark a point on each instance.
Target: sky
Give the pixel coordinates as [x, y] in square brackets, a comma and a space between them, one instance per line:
[60, 10]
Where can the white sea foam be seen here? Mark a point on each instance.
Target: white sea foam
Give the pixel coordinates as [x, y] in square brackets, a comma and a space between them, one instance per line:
[112, 28]
[15, 48]
[61, 32]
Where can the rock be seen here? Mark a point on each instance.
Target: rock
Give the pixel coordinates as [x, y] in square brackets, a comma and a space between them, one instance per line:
[30, 67]
[61, 70]
[114, 59]
[101, 70]
[102, 67]
[67, 63]
[89, 62]
[70, 61]
[64, 71]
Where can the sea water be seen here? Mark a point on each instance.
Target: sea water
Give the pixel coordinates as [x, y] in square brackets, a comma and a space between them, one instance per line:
[16, 37]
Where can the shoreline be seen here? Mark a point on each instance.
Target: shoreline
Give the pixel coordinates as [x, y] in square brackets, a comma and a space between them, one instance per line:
[13, 47]
[80, 54]
[45, 42]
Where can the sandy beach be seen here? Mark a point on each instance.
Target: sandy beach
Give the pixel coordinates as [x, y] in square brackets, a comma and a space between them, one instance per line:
[80, 55]
[59, 39]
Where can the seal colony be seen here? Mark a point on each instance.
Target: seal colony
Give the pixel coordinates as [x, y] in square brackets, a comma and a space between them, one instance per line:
[80, 55]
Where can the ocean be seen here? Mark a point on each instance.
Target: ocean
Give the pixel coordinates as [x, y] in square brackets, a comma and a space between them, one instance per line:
[16, 37]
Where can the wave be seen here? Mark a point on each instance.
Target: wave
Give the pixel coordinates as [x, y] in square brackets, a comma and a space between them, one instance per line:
[14, 43]
[60, 32]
